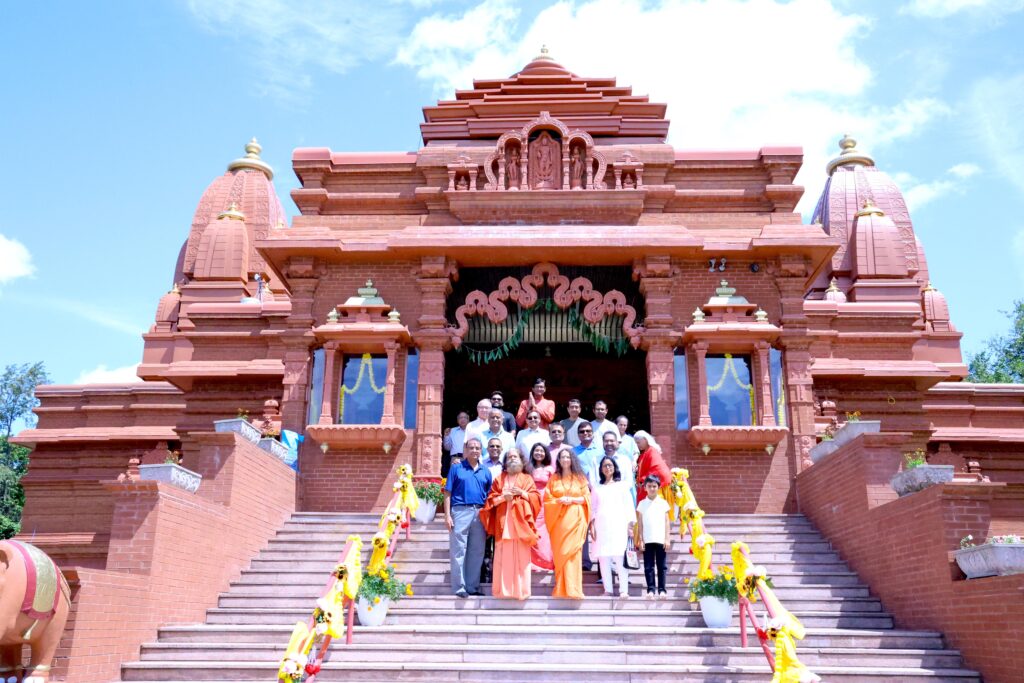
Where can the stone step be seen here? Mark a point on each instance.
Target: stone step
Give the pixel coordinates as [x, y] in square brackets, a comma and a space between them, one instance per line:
[363, 672]
[340, 537]
[683, 616]
[444, 634]
[638, 654]
[316, 581]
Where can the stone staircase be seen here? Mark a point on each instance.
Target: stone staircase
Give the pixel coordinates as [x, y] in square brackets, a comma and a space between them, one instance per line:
[435, 636]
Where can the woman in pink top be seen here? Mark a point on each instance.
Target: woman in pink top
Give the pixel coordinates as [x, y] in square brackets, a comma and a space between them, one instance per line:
[541, 468]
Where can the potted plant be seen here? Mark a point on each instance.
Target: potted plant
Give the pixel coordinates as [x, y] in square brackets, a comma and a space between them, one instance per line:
[171, 472]
[918, 475]
[716, 595]
[376, 594]
[431, 496]
[998, 556]
[239, 423]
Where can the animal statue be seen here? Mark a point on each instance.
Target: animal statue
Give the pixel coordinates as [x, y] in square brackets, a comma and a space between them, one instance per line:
[34, 605]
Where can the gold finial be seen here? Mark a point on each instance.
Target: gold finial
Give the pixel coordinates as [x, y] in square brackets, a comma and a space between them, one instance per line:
[232, 212]
[833, 286]
[849, 155]
[543, 54]
[870, 209]
[175, 289]
[252, 160]
[929, 288]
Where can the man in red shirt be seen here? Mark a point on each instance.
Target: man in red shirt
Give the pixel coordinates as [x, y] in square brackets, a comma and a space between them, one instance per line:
[536, 401]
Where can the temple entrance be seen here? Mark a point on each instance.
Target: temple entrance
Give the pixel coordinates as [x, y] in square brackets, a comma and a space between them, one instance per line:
[571, 370]
[570, 325]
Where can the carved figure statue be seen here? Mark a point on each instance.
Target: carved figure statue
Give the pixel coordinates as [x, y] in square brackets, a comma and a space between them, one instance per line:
[545, 154]
[34, 605]
[462, 183]
[628, 183]
[576, 164]
[512, 168]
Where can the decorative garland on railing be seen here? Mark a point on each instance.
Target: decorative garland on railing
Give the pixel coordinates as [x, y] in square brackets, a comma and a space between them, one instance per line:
[599, 341]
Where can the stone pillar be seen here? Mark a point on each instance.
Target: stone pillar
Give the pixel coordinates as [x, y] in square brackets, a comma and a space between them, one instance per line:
[791, 276]
[764, 382]
[297, 340]
[699, 351]
[388, 416]
[432, 339]
[330, 382]
[659, 339]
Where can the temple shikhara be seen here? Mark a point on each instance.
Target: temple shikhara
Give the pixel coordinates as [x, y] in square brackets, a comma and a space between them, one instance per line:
[544, 229]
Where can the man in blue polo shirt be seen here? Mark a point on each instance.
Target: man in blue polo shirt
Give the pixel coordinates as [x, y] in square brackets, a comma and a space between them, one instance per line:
[465, 492]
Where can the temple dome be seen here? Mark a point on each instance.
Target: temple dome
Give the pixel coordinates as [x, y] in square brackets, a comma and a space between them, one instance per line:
[543, 65]
[167, 311]
[853, 180]
[247, 184]
[936, 310]
[877, 249]
[223, 252]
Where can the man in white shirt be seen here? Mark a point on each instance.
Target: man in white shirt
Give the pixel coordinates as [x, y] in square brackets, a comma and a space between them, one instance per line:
[601, 424]
[571, 423]
[627, 445]
[454, 438]
[533, 434]
[479, 425]
[496, 431]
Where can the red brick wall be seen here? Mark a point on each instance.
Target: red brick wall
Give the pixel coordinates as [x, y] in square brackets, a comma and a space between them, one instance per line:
[738, 481]
[394, 280]
[349, 481]
[172, 553]
[902, 548]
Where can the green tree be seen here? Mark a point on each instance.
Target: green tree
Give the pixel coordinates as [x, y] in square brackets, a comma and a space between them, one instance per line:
[17, 399]
[1002, 359]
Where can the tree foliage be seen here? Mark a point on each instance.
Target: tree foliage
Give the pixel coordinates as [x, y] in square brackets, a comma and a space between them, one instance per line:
[1002, 359]
[17, 399]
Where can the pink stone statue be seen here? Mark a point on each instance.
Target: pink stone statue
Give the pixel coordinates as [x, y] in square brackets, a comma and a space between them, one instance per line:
[34, 604]
[627, 181]
[576, 165]
[545, 155]
[512, 168]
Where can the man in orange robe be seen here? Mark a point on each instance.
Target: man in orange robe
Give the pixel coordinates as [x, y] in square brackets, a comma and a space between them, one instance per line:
[509, 515]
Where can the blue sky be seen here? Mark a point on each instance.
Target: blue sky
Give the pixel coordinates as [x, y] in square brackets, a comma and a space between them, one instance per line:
[117, 115]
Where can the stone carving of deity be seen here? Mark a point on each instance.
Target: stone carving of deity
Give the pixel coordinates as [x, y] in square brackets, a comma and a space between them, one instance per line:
[462, 183]
[627, 181]
[545, 163]
[512, 168]
[576, 164]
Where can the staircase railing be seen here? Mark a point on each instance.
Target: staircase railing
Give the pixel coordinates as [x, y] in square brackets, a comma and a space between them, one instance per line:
[310, 640]
[784, 629]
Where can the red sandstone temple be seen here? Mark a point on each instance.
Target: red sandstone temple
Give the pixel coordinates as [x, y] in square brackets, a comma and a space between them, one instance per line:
[545, 228]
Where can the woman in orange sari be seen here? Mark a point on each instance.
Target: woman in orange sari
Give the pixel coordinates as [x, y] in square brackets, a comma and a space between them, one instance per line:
[567, 515]
[509, 515]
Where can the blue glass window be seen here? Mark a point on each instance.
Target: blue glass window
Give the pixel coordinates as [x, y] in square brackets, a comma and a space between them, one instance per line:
[730, 392]
[778, 386]
[682, 391]
[361, 395]
[412, 382]
[316, 388]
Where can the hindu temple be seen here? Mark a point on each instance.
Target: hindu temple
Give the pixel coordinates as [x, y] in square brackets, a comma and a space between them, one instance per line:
[544, 228]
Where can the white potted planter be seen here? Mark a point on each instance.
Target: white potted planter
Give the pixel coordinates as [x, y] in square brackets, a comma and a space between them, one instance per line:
[991, 559]
[370, 614]
[239, 425]
[172, 474]
[717, 612]
[275, 448]
[425, 512]
[920, 478]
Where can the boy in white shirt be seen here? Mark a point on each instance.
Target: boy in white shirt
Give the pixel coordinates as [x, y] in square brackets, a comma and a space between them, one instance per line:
[653, 531]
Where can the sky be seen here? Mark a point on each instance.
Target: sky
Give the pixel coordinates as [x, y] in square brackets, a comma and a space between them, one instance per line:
[117, 115]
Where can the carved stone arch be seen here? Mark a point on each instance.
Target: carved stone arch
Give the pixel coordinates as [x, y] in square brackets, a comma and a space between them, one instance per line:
[496, 181]
[545, 120]
[597, 305]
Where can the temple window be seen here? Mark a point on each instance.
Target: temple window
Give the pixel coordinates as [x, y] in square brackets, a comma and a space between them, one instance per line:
[316, 388]
[682, 389]
[412, 374]
[361, 394]
[731, 399]
[778, 386]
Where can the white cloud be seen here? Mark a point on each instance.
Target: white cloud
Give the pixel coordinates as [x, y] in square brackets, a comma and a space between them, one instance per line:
[994, 107]
[15, 260]
[734, 73]
[287, 41]
[940, 9]
[102, 375]
[102, 316]
[917, 193]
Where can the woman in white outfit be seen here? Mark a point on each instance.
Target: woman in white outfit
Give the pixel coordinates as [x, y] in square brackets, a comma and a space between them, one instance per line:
[614, 517]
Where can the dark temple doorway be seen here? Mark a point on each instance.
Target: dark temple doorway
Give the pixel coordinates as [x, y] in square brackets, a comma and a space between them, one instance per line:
[588, 362]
